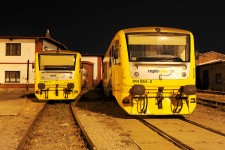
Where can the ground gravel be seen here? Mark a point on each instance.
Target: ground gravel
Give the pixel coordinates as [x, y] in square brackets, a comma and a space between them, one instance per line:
[98, 115]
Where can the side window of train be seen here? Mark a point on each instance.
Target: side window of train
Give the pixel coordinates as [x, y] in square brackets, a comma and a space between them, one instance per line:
[110, 56]
[114, 53]
[116, 50]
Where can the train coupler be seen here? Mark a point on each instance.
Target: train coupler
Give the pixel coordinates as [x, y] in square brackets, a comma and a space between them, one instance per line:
[56, 90]
[177, 102]
[159, 97]
[67, 91]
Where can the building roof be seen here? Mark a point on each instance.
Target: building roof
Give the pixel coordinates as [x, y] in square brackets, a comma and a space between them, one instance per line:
[210, 58]
[47, 38]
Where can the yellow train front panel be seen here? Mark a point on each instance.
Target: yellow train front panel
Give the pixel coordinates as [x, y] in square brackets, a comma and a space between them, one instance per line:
[57, 75]
[151, 71]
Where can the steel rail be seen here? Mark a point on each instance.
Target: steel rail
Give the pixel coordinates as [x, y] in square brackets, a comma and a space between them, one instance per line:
[89, 142]
[22, 143]
[165, 135]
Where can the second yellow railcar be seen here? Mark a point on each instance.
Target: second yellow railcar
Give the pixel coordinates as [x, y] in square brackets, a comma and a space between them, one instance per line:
[151, 71]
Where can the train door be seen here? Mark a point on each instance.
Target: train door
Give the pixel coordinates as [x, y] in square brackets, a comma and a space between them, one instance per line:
[89, 68]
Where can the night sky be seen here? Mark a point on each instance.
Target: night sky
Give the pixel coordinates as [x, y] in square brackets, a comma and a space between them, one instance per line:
[88, 26]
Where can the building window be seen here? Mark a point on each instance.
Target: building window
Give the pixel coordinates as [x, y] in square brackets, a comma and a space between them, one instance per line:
[218, 78]
[12, 77]
[13, 49]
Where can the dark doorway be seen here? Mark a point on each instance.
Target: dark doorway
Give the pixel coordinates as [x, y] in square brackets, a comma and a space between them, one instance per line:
[205, 80]
[89, 68]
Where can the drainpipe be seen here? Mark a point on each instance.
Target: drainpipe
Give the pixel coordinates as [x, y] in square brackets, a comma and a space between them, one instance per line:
[27, 74]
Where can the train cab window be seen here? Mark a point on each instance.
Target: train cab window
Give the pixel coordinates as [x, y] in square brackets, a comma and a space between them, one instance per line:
[51, 62]
[163, 48]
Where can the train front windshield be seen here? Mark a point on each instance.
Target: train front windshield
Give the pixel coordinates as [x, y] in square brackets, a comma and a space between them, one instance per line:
[57, 62]
[154, 47]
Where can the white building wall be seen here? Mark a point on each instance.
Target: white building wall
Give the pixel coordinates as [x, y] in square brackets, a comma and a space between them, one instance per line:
[18, 63]
[48, 45]
[23, 72]
[95, 67]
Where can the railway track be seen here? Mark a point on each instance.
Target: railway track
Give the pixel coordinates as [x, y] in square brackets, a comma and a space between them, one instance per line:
[212, 103]
[179, 137]
[165, 135]
[176, 139]
[56, 126]
[202, 126]
[89, 144]
[26, 137]
[162, 133]
[211, 92]
[211, 99]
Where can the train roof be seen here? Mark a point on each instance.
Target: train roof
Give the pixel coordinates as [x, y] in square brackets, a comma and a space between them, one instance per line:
[58, 52]
[155, 29]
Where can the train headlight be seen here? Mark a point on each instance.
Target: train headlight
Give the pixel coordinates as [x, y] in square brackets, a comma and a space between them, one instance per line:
[70, 85]
[136, 74]
[190, 89]
[183, 74]
[184, 67]
[41, 86]
[138, 89]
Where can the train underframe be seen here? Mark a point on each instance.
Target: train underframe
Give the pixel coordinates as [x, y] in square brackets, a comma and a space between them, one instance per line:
[56, 92]
[160, 101]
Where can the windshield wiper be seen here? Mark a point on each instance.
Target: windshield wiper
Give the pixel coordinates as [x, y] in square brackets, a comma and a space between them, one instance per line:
[174, 59]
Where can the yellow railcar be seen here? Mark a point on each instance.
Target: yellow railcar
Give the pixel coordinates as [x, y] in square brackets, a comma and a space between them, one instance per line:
[57, 75]
[151, 71]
